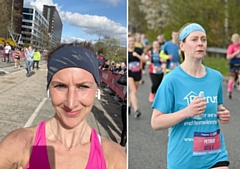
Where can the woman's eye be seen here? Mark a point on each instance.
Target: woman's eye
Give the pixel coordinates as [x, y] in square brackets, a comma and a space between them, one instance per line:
[60, 86]
[83, 86]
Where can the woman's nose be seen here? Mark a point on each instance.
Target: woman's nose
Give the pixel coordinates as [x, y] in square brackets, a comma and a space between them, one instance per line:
[71, 99]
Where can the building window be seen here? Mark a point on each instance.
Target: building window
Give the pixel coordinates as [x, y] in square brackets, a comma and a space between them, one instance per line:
[27, 10]
[27, 23]
[28, 17]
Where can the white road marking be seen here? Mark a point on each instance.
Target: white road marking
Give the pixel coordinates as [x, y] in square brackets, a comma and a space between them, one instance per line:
[4, 71]
[30, 120]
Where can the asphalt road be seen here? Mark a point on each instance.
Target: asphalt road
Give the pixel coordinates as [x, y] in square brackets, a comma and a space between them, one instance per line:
[147, 148]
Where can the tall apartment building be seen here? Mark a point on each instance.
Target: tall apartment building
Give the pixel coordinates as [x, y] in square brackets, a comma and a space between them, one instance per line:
[55, 24]
[35, 28]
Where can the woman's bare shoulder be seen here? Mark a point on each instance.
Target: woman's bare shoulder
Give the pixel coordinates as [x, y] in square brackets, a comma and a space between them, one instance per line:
[20, 138]
[114, 154]
[15, 147]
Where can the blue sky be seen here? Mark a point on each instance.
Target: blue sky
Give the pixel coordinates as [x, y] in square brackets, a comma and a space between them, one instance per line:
[89, 19]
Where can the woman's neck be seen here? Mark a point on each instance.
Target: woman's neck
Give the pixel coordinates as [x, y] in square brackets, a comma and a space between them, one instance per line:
[131, 48]
[195, 69]
[156, 50]
[70, 138]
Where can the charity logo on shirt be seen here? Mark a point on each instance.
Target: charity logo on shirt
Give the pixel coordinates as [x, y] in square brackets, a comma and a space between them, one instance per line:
[190, 97]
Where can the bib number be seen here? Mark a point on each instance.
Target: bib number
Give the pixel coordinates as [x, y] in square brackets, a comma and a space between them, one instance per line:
[134, 66]
[206, 143]
[157, 68]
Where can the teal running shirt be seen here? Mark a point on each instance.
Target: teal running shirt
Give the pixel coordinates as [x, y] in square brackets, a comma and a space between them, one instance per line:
[194, 143]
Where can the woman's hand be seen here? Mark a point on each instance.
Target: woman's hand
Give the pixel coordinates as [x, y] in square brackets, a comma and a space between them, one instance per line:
[223, 114]
[196, 107]
[135, 54]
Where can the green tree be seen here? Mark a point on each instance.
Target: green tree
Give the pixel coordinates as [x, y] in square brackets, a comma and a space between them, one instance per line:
[100, 47]
[112, 46]
[111, 49]
[220, 18]
[6, 14]
[5, 17]
[136, 16]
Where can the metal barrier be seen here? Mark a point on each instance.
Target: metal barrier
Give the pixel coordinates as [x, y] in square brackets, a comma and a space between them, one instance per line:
[111, 79]
[217, 51]
[22, 56]
[12, 56]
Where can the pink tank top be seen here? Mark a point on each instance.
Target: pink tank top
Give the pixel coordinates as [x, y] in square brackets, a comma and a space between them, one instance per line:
[39, 156]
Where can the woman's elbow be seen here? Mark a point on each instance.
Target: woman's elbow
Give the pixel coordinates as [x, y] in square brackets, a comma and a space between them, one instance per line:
[155, 125]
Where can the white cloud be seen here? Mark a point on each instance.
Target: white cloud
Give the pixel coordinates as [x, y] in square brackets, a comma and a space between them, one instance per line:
[113, 2]
[71, 39]
[90, 24]
[95, 25]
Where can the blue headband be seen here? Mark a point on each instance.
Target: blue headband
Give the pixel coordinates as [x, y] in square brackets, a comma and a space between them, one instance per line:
[189, 29]
[73, 56]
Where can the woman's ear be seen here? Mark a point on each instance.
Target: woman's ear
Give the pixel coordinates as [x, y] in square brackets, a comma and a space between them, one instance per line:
[181, 46]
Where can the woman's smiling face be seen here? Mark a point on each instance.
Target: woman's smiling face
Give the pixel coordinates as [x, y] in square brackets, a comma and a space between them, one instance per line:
[72, 91]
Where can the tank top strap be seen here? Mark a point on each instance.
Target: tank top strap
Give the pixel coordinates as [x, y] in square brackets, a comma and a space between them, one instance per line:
[96, 157]
[39, 155]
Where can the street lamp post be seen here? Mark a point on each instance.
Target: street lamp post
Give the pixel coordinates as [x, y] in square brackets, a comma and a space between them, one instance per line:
[12, 14]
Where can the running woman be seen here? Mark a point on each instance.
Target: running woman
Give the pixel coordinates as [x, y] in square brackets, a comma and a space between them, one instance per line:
[233, 54]
[157, 68]
[135, 56]
[190, 101]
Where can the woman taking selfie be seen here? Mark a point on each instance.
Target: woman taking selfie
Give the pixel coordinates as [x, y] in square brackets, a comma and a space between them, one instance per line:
[66, 140]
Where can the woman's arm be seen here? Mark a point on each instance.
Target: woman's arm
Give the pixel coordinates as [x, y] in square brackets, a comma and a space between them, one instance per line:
[164, 66]
[230, 56]
[140, 57]
[161, 121]
[14, 149]
[114, 155]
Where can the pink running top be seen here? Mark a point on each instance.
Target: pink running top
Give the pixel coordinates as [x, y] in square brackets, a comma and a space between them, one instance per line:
[39, 156]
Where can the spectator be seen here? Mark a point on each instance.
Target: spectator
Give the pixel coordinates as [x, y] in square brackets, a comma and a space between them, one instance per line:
[36, 59]
[101, 60]
[7, 50]
[1, 48]
[123, 68]
[106, 65]
[116, 68]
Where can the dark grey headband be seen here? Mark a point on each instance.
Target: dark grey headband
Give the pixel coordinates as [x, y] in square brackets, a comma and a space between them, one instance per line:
[73, 56]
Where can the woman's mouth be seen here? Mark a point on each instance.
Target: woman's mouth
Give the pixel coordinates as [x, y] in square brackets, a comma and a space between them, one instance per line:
[72, 113]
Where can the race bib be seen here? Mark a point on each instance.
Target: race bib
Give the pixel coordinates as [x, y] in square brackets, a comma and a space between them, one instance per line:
[134, 66]
[206, 143]
[157, 68]
[174, 64]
